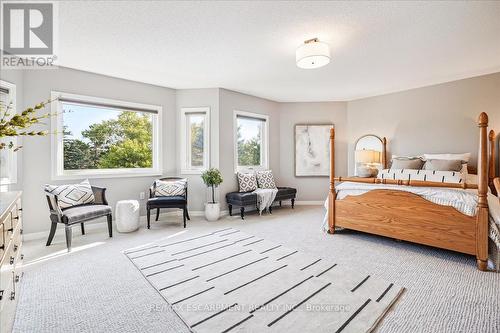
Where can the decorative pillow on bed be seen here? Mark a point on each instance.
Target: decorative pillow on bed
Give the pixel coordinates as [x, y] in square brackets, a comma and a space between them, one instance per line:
[425, 175]
[72, 194]
[247, 182]
[170, 188]
[465, 158]
[265, 179]
[443, 165]
[401, 162]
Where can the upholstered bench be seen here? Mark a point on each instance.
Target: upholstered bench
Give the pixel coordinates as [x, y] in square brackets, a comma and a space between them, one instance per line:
[243, 199]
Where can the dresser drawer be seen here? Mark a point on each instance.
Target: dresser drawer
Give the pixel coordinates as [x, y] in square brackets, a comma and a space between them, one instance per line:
[7, 308]
[6, 275]
[11, 254]
[7, 288]
[14, 220]
[3, 240]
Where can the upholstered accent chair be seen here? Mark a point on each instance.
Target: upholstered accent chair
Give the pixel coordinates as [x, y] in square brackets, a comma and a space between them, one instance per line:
[71, 216]
[174, 201]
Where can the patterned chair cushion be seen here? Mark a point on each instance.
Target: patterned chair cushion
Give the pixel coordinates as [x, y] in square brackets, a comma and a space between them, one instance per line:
[265, 179]
[83, 213]
[170, 188]
[73, 194]
[159, 202]
[247, 182]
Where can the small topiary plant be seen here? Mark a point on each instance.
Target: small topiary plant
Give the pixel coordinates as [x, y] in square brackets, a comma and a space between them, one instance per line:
[212, 178]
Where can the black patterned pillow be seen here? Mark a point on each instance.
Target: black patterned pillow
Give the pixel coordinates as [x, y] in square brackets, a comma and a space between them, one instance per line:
[247, 182]
[170, 188]
[265, 179]
[73, 194]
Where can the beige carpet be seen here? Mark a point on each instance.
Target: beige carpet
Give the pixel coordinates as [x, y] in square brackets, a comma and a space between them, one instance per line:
[96, 289]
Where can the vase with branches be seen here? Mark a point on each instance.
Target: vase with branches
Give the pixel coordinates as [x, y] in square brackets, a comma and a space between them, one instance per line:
[212, 178]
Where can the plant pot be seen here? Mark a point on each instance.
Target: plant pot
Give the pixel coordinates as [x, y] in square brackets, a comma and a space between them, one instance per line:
[212, 211]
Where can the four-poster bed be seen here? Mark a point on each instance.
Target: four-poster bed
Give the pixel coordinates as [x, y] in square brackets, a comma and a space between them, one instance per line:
[396, 212]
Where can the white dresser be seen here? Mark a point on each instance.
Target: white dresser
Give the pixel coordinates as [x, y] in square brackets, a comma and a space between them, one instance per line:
[11, 256]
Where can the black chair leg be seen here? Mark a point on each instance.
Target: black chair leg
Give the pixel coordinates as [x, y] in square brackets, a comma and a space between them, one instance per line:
[293, 203]
[148, 217]
[280, 203]
[110, 225]
[187, 214]
[83, 228]
[242, 212]
[52, 232]
[157, 214]
[270, 209]
[230, 207]
[184, 216]
[67, 229]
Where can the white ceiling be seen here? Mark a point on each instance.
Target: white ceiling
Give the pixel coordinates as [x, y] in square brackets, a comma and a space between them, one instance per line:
[377, 47]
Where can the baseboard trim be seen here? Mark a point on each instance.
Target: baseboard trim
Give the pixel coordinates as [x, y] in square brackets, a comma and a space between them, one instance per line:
[102, 225]
[309, 203]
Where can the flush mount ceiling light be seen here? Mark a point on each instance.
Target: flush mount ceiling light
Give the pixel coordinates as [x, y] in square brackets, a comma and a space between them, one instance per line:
[312, 54]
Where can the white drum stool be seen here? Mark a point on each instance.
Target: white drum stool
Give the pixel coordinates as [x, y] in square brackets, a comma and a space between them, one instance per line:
[127, 215]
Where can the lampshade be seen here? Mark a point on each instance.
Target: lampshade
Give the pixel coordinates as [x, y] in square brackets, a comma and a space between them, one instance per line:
[312, 54]
[367, 156]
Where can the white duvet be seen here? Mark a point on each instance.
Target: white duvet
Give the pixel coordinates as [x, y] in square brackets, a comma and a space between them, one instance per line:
[464, 201]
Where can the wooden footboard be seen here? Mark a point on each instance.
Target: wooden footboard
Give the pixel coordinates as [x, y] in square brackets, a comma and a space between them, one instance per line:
[407, 216]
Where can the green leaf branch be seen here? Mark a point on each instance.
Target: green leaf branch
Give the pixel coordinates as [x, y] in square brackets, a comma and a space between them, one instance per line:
[18, 124]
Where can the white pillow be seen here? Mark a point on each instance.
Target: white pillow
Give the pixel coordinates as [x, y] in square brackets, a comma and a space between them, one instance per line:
[170, 188]
[471, 179]
[423, 175]
[465, 157]
[72, 194]
[265, 179]
[247, 182]
[407, 157]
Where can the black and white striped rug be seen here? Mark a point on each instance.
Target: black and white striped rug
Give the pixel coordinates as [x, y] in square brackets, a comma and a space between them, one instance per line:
[229, 281]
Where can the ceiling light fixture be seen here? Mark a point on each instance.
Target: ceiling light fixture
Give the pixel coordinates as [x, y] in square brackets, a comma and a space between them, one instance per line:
[312, 54]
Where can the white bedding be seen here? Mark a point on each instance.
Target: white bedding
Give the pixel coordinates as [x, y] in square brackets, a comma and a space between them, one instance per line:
[464, 201]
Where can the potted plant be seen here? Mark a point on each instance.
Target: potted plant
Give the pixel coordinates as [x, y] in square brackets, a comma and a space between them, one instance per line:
[212, 178]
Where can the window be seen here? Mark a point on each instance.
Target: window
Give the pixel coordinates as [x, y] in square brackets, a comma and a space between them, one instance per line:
[98, 137]
[8, 158]
[195, 140]
[251, 144]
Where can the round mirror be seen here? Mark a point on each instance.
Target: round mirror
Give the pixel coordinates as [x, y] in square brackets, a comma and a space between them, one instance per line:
[368, 156]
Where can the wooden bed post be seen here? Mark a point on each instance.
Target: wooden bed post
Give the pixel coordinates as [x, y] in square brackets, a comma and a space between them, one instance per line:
[384, 153]
[491, 159]
[482, 213]
[332, 195]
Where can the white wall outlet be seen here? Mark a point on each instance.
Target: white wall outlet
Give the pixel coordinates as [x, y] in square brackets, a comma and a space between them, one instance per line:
[142, 195]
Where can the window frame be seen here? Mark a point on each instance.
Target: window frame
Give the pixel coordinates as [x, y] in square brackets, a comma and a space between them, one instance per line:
[265, 141]
[57, 146]
[186, 168]
[12, 179]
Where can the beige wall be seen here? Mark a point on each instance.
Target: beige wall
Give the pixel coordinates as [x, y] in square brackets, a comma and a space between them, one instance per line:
[435, 119]
[310, 188]
[229, 101]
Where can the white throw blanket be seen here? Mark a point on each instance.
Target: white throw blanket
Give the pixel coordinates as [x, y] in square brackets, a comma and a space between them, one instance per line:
[265, 197]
